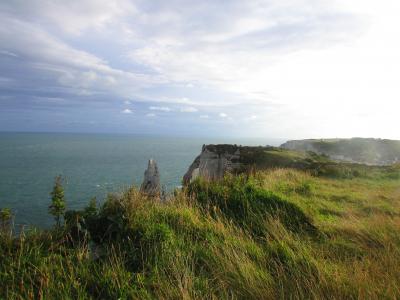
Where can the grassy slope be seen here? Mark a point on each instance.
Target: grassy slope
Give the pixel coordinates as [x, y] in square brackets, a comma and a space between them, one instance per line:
[279, 233]
[259, 158]
[359, 149]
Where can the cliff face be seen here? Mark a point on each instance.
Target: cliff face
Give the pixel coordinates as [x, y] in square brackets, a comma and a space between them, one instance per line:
[213, 162]
[356, 150]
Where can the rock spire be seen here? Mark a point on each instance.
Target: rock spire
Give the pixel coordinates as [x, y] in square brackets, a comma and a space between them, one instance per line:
[151, 182]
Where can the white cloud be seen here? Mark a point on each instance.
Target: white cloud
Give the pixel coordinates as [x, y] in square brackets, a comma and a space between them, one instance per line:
[74, 16]
[319, 67]
[250, 119]
[127, 102]
[8, 53]
[228, 54]
[189, 109]
[151, 115]
[127, 111]
[204, 116]
[160, 108]
[77, 70]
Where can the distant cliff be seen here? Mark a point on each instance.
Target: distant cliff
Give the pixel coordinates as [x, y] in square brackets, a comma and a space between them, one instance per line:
[215, 161]
[356, 150]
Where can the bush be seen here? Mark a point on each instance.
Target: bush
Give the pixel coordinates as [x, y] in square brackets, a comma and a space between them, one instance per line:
[57, 206]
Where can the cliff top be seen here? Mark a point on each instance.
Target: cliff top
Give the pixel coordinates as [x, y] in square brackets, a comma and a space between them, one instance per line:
[219, 159]
[358, 150]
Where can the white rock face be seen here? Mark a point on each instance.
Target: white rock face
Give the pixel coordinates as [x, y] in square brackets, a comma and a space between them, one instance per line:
[151, 182]
[212, 164]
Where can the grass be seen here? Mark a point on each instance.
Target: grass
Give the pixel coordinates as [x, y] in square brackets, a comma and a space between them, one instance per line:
[371, 151]
[262, 158]
[278, 233]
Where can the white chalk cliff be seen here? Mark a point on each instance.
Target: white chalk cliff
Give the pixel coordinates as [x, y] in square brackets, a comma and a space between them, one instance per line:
[213, 162]
[151, 182]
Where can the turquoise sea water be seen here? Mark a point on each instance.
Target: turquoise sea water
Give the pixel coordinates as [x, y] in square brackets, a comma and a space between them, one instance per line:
[92, 165]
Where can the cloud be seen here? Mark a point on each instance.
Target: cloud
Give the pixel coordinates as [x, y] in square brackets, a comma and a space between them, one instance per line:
[163, 41]
[151, 115]
[8, 53]
[289, 62]
[160, 108]
[127, 111]
[204, 117]
[189, 109]
[227, 56]
[72, 17]
[47, 62]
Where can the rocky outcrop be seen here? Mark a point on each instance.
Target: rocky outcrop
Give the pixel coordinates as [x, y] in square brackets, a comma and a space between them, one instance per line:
[213, 162]
[356, 150]
[151, 182]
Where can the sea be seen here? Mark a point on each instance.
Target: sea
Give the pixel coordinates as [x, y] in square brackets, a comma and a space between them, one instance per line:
[92, 165]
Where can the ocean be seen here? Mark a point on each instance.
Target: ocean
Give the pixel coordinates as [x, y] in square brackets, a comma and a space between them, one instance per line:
[92, 165]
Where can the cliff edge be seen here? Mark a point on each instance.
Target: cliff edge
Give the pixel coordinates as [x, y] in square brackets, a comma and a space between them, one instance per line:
[213, 162]
[356, 150]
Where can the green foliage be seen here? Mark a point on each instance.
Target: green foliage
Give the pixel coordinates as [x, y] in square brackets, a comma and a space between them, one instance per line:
[5, 220]
[91, 209]
[246, 203]
[57, 206]
[276, 234]
[260, 159]
[305, 188]
[5, 215]
[370, 151]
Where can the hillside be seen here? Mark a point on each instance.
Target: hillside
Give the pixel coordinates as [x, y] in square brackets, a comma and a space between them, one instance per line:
[357, 150]
[215, 161]
[287, 229]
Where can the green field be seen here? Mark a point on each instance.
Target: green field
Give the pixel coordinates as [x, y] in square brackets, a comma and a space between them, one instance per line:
[273, 233]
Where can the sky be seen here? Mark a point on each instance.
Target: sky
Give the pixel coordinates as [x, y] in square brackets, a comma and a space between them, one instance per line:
[254, 68]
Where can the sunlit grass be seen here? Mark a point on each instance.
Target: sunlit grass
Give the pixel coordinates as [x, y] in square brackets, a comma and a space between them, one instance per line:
[235, 239]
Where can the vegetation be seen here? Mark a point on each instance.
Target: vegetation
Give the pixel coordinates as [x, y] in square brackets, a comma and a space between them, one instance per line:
[362, 150]
[5, 220]
[276, 233]
[57, 206]
[262, 158]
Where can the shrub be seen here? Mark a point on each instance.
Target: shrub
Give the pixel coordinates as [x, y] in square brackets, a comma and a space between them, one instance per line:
[57, 206]
[5, 220]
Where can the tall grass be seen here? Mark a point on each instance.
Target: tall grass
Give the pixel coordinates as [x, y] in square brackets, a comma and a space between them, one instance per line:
[275, 234]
